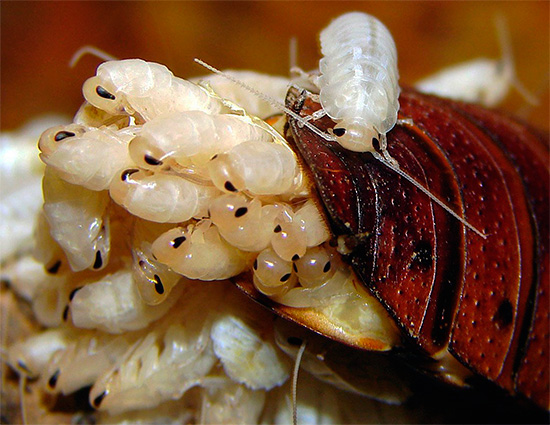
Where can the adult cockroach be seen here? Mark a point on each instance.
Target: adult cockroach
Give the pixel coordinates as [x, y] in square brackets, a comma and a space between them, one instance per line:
[484, 300]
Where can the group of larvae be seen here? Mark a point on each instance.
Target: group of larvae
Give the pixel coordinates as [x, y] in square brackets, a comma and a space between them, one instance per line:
[159, 191]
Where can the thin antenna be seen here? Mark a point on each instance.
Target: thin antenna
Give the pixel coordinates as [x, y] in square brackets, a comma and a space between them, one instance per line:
[427, 192]
[90, 50]
[22, 385]
[294, 386]
[508, 59]
[267, 99]
[325, 136]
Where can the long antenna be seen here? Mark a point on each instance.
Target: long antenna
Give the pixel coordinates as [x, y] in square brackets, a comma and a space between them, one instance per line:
[325, 136]
[428, 193]
[268, 99]
[90, 50]
[294, 386]
[505, 42]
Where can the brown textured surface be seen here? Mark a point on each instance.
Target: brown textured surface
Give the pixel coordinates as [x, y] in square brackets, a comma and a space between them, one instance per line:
[531, 158]
[496, 278]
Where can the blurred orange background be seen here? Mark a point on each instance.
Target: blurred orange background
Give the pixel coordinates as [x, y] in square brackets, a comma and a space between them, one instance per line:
[39, 38]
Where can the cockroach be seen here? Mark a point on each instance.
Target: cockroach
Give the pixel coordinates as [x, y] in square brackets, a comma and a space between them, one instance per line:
[358, 85]
[485, 301]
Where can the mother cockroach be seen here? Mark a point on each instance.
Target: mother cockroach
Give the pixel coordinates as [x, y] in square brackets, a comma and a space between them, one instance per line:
[482, 297]
[485, 300]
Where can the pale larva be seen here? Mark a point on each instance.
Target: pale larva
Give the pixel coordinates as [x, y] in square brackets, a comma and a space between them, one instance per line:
[163, 198]
[31, 356]
[247, 355]
[78, 221]
[484, 81]
[273, 276]
[358, 81]
[199, 252]
[243, 222]
[84, 359]
[231, 403]
[190, 138]
[260, 168]
[113, 304]
[145, 89]
[153, 279]
[89, 157]
[174, 356]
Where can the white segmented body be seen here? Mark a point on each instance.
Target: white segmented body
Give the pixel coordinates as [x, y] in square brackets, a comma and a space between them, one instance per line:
[310, 219]
[245, 224]
[315, 267]
[77, 220]
[247, 356]
[83, 360]
[172, 358]
[199, 252]
[113, 304]
[260, 168]
[232, 403]
[163, 198]
[31, 356]
[153, 279]
[191, 138]
[289, 239]
[358, 81]
[24, 276]
[88, 157]
[211, 340]
[148, 89]
[273, 276]
[484, 81]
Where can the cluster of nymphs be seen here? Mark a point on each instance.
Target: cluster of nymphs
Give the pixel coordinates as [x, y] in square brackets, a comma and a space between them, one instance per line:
[157, 187]
[171, 151]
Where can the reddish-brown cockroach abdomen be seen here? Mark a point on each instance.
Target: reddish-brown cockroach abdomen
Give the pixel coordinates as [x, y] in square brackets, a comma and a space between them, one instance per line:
[485, 300]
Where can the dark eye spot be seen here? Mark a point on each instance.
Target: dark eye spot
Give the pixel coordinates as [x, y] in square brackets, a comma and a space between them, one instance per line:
[73, 292]
[141, 263]
[178, 241]
[339, 132]
[285, 277]
[54, 268]
[126, 173]
[101, 92]
[65, 313]
[295, 257]
[504, 315]
[159, 287]
[229, 186]
[277, 229]
[52, 382]
[60, 135]
[152, 161]
[98, 261]
[327, 267]
[293, 340]
[241, 211]
[97, 401]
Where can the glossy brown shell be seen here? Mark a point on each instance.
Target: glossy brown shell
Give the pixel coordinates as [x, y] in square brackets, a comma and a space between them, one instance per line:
[486, 300]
